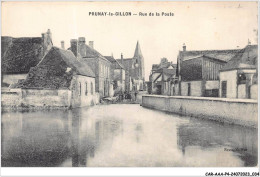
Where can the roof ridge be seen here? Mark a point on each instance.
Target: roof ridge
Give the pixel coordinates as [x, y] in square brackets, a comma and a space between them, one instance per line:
[215, 50]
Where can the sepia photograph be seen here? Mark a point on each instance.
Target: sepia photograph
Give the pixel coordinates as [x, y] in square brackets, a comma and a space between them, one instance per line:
[130, 84]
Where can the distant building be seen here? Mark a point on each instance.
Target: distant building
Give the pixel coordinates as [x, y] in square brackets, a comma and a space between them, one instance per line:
[59, 79]
[134, 68]
[238, 78]
[198, 71]
[97, 62]
[18, 55]
[117, 74]
[162, 78]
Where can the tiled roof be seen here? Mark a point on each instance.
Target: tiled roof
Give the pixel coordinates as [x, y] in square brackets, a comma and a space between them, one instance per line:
[246, 58]
[110, 58]
[224, 55]
[114, 61]
[71, 60]
[155, 66]
[20, 54]
[127, 63]
[86, 51]
[166, 65]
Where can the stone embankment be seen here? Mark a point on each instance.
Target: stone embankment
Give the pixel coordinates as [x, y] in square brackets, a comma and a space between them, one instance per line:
[235, 111]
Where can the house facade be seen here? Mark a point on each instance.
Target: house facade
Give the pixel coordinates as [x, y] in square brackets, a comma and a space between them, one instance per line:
[118, 75]
[198, 71]
[239, 77]
[59, 80]
[18, 55]
[162, 78]
[98, 63]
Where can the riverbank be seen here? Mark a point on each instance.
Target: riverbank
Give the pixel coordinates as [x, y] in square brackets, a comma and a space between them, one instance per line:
[234, 111]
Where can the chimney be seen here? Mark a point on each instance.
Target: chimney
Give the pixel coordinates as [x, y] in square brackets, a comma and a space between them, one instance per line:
[122, 58]
[47, 41]
[91, 44]
[62, 45]
[82, 40]
[184, 47]
[74, 46]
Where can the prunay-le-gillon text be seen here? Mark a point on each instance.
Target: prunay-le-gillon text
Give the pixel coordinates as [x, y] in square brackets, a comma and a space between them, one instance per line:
[141, 14]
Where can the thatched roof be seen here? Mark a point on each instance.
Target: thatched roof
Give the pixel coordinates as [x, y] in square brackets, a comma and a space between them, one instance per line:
[20, 54]
[56, 70]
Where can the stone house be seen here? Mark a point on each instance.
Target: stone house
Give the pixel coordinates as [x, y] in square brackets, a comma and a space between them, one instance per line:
[162, 77]
[134, 69]
[198, 71]
[58, 80]
[238, 78]
[117, 74]
[97, 62]
[18, 55]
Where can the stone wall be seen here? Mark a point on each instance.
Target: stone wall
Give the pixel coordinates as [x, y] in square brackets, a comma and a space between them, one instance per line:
[11, 98]
[74, 97]
[13, 78]
[235, 111]
[36, 98]
[46, 98]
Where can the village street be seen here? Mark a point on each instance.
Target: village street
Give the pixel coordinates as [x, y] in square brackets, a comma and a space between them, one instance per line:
[122, 135]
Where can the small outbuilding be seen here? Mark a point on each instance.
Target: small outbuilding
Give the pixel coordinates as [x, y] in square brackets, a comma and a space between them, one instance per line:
[59, 80]
[238, 78]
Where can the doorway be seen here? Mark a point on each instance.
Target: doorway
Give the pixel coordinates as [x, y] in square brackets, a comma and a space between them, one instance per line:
[224, 89]
[189, 89]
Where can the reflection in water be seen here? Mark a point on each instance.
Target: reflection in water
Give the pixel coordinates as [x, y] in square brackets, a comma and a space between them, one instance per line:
[241, 141]
[28, 141]
[120, 135]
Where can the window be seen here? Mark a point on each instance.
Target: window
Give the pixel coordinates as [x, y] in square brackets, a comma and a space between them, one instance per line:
[79, 88]
[241, 79]
[91, 88]
[86, 90]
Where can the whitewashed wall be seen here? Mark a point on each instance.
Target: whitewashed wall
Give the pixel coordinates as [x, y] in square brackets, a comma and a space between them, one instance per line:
[196, 89]
[254, 91]
[237, 111]
[231, 78]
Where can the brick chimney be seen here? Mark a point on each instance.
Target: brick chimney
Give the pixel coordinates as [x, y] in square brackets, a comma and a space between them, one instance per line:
[62, 45]
[82, 46]
[74, 46]
[184, 47]
[91, 44]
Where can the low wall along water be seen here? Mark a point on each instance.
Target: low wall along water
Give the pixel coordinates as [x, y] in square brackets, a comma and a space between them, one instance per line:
[235, 111]
[43, 98]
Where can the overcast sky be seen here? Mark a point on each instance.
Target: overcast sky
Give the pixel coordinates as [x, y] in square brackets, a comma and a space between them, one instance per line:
[200, 25]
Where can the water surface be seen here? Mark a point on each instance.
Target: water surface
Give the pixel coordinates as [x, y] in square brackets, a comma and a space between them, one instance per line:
[122, 136]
